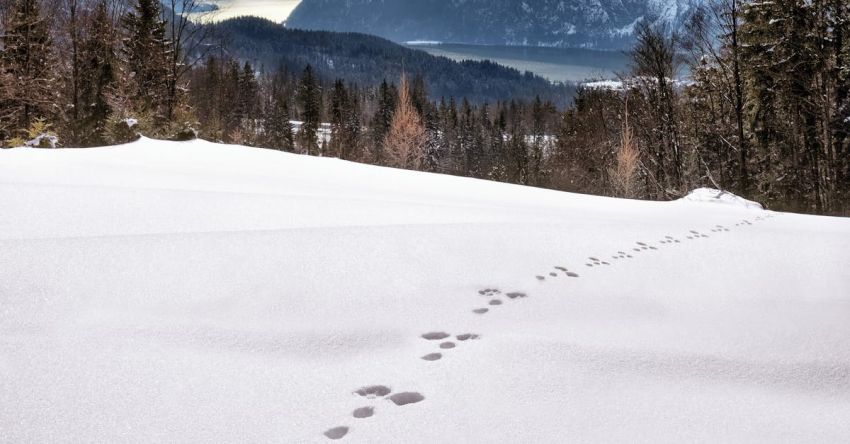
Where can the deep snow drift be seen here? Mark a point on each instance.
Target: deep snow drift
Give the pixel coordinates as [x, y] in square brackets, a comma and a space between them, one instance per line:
[197, 292]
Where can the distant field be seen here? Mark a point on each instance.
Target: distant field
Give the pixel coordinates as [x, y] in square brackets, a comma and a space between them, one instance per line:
[555, 64]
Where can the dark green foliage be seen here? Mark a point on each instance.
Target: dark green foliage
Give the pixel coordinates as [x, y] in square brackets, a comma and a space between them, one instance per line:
[310, 102]
[27, 70]
[98, 75]
[277, 125]
[145, 56]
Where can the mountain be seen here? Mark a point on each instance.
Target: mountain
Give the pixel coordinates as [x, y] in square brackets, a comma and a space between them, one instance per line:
[367, 60]
[605, 24]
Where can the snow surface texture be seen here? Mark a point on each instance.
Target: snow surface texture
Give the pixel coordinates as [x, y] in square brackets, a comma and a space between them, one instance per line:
[191, 292]
[720, 197]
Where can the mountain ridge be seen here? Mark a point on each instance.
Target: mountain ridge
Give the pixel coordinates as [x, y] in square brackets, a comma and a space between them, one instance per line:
[367, 60]
[602, 24]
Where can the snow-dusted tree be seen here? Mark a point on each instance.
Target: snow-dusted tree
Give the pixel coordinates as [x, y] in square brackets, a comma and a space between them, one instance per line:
[345, 122]
[382, 119]
[97, 75]
[654, 67]
[146, 59]
[404, 146]
[186, 38]
[310, 99]
[27, 68]
[278, 128]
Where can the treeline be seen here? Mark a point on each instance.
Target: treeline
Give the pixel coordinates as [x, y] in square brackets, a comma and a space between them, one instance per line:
[395, 125]
[94, 71]
[766, 113]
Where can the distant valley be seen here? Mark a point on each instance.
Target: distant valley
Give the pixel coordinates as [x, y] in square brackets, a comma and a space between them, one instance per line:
[553, 64]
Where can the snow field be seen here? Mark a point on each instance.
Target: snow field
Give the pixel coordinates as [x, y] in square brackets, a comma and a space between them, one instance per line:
[196, 292]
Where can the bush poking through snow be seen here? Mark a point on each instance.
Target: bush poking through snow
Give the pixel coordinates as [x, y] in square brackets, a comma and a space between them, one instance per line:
[123, 130]
[185, 134]
[38, 135]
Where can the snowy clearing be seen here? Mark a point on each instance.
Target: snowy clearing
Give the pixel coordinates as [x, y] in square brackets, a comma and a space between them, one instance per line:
[178, 292]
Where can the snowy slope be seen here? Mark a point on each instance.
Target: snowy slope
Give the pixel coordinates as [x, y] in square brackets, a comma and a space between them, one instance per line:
[197, 292]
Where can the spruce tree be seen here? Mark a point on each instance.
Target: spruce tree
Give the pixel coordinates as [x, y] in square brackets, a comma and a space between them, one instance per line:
[97, 77]
[382, 119]
[310, 99]
[27, 70]
[339, 115]
[278, 128]
[145, 55]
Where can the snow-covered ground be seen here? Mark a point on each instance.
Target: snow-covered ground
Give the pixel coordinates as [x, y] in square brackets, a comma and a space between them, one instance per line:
[174, 292]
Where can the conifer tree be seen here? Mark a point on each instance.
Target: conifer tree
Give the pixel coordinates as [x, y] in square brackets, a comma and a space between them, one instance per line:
[310, 99]
[381, 121]
[27, 70]
[278, 128]
[339, 110]
[145, 55]
[97, 77]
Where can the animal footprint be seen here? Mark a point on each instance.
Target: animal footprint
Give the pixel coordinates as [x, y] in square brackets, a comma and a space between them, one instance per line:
[495, 302]
[435, 335]
[337, 432]
[373, 391]
[363, 412]
[406, 398]
[467, 337]
[432, 357]
[516, 295]
[480, 311]
[447, 345]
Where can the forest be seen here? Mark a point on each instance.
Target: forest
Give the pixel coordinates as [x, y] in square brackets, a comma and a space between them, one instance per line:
[764, 113]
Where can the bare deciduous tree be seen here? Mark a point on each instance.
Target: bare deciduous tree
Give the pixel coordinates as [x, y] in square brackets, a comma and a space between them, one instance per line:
[624, 174]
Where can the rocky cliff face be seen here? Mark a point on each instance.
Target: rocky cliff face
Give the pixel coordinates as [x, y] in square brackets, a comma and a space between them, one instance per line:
[606, 24]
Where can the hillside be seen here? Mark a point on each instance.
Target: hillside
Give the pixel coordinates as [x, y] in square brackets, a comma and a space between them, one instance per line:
[367, 60]
[572, 23]
[193, 292]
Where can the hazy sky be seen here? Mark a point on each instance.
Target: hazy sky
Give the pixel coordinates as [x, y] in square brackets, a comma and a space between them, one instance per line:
[277, 10]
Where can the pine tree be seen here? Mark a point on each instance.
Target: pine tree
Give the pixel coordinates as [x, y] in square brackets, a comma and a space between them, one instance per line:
[278, 128]
[538, 135]
[27, 70]
[342, 113]
[145, 55]
[246, 106]
[310, 99]
[97, 77]
[382, 119]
